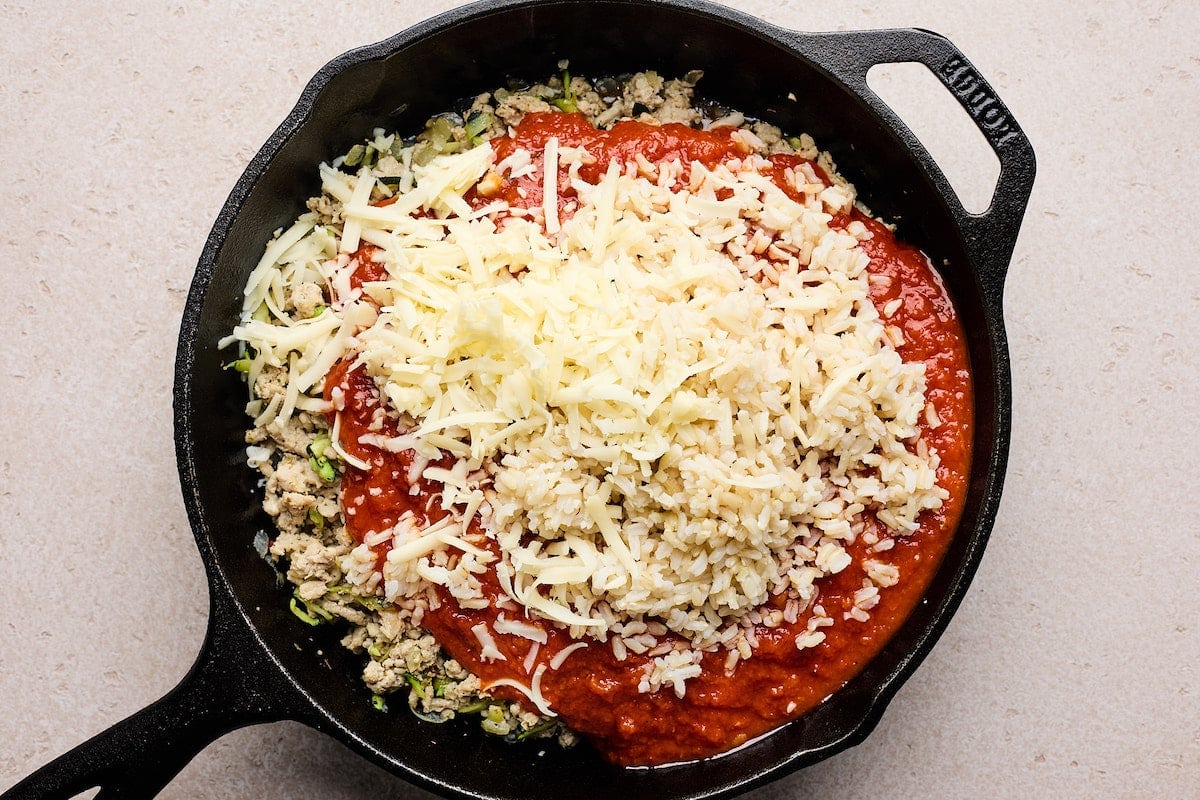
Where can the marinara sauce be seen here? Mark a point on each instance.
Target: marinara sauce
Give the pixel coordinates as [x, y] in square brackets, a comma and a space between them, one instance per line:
[597, 695]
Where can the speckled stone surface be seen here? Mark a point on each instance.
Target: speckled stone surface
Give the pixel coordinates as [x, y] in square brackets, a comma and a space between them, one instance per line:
[1070, 670]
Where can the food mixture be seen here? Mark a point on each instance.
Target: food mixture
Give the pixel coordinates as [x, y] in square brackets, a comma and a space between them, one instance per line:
[596, 411]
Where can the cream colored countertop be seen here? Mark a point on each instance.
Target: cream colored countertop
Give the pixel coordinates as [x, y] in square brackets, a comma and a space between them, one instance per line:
[1070, 670]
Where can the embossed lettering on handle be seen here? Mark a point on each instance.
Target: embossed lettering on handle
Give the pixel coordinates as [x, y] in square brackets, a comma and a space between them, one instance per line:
[979, 100]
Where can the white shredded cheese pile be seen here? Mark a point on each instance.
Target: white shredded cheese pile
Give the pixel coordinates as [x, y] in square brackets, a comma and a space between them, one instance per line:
[666, 406]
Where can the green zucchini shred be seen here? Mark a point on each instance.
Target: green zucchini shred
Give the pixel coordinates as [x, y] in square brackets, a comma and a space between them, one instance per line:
[319, 444]
[323, 468]
[541, 727]
[316, 519]
[495, 728]
[567, 101]
[477, 123]
[416, 685]
[303, 616]
[423, 154]
[478, 705]
[369, 603]
[311, 610]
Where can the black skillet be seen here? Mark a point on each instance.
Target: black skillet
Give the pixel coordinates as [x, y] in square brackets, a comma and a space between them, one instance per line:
[259, 663]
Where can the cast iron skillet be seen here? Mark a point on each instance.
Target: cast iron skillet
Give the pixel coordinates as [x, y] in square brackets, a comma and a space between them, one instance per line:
[259, 664]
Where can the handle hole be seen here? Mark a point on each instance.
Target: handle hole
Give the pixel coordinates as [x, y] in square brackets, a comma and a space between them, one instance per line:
[943, 127]
[87, 794]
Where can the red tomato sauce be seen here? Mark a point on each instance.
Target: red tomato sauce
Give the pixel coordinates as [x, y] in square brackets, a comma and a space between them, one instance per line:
[367, 267]
[623, 142]
[595, 694]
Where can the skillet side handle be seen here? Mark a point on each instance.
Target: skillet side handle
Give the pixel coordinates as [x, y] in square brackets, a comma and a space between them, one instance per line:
[992, 235]
[231, 684]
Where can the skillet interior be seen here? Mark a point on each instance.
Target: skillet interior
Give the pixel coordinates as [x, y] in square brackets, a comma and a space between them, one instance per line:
[397, 85]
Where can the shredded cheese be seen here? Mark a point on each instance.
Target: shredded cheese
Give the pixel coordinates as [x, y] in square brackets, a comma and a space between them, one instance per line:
[531, 657]
[550, 186]
[518, 628]
[633, 357]
[668, 402]
[533, 692]
[487, 643]
[563, 654]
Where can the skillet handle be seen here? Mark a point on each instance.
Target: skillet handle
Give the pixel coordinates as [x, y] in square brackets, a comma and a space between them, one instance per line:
[990, 236]
[232, 684]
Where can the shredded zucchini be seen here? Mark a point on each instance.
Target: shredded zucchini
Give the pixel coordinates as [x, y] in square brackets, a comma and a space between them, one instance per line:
[536, 730]
[304, 616]
[567, 101]
[477, 123]
[415, 682]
